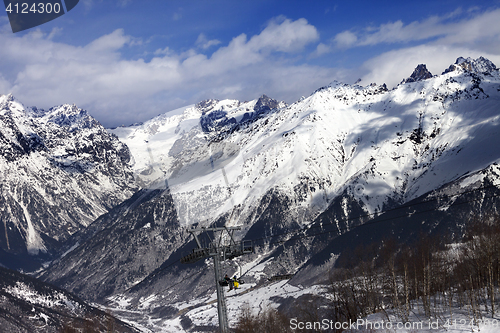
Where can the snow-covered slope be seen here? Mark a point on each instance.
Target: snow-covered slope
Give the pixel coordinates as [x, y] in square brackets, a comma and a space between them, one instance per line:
[121, 247]
[382, 146]
[316, 165]
[59, 170]
[29, 305]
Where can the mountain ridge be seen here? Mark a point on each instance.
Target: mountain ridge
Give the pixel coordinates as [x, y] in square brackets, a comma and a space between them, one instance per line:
[298, 177]
[60, 170]
[332, 161]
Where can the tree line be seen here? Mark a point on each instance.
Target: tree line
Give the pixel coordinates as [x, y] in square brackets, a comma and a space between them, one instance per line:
[430, 278]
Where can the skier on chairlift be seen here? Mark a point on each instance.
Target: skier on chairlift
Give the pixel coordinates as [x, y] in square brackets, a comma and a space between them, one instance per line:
[229, 282]
[236, 283]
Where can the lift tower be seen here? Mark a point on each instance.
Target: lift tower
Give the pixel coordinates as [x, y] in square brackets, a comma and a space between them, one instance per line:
[221, 246]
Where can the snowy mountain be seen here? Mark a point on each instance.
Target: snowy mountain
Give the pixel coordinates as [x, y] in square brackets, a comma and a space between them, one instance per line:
[194, 149]
[382, 147]
[295, 178]
[59, 170]
[29, 305]
[121, 247]
[420, 73]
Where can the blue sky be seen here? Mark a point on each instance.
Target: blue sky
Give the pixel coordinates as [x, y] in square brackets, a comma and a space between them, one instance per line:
[128, 60]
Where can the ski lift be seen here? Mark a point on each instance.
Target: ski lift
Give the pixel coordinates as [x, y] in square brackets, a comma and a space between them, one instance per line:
[236, 282]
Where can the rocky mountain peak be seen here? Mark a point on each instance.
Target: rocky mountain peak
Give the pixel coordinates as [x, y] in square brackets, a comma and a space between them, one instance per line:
[420, 73]
[68, 149]
[66, 115]
[70, 116]
[479, 65]
[9, 103]
[207, 105]
[8, 97]
[265, 103]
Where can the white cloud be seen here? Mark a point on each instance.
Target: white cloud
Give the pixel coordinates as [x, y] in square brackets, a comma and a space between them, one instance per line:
[475, 31]
[441, 40]
[393, 66]
[204, 43]
[446, 29]
[55, 32]
[164, 51]
[112, 42]
[5, 86]
[42, 72]
[285, 35]
[321, 49]
[345, 39]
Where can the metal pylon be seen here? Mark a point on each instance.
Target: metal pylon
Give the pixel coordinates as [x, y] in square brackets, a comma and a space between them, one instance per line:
[221, 247]
[221, 296]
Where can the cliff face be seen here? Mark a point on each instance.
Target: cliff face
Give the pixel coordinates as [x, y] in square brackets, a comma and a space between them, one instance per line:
[59, 170]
